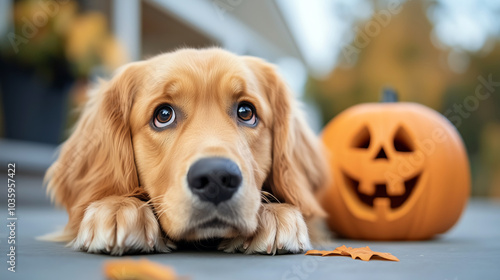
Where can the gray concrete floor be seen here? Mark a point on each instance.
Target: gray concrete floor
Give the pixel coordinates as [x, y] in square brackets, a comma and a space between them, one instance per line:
[471, 250]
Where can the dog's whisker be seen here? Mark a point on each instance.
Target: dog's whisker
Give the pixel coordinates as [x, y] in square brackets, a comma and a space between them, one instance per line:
[146, 203]
[151, 202]
[160, 213]
[265, 196]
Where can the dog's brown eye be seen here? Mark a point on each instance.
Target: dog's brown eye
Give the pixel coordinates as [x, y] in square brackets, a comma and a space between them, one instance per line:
[164, 116]
[246, 114]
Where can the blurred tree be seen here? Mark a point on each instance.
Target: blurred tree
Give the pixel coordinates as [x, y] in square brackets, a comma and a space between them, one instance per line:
[477, 91]
[397, 48]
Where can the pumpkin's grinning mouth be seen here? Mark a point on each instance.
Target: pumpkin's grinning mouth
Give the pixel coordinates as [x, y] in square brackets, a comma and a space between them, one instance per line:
[381, 191]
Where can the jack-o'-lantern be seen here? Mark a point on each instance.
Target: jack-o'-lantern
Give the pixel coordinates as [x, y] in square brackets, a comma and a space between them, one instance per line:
[400, 172]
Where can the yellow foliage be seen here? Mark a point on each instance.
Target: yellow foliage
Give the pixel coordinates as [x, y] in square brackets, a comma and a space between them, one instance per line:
[65, 18]
[114, 55]
[401, 55]
[85, 35]
[56, 31]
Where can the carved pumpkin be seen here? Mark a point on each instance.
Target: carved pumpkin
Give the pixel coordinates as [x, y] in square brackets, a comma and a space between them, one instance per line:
[400, 172]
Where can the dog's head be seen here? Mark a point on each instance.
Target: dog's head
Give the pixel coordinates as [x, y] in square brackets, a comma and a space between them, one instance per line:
[200, 133]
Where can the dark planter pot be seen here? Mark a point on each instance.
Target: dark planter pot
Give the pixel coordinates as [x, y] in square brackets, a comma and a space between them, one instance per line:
[34, 110]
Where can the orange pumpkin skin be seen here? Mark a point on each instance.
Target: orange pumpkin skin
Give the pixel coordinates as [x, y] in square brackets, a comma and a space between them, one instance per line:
[400, 172]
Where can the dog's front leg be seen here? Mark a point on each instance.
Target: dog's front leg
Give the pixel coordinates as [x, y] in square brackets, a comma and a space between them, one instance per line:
[281, 230]
[117, 224]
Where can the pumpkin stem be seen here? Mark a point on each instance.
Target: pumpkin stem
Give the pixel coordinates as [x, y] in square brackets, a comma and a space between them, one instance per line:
[389, 95]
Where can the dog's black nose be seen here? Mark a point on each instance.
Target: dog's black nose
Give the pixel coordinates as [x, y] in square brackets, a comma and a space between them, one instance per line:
[214, 179]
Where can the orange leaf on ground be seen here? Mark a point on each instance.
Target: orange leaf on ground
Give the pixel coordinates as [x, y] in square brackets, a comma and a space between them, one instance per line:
[364, 253]
[138, 270]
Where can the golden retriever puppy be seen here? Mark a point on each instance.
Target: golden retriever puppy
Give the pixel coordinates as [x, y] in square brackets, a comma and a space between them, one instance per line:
[181, 147]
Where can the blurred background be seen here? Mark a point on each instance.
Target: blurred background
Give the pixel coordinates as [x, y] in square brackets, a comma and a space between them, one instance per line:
[334, 54]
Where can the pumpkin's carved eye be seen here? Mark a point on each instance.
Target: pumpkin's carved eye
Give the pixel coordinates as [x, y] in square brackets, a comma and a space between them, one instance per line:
[362, 139]
[402, 141]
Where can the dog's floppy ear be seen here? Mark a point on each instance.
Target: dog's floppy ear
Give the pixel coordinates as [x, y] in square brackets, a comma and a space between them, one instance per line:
[299, 168]
[98, 159]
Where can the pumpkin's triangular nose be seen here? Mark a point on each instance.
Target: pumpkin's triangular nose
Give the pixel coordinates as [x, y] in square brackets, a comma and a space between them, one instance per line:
[381, 154]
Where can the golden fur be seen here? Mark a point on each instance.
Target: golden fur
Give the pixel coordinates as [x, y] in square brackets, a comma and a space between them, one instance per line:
[124, 185]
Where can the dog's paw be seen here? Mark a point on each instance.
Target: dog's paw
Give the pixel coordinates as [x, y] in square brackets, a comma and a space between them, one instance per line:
[281, 230]
[116, 225]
